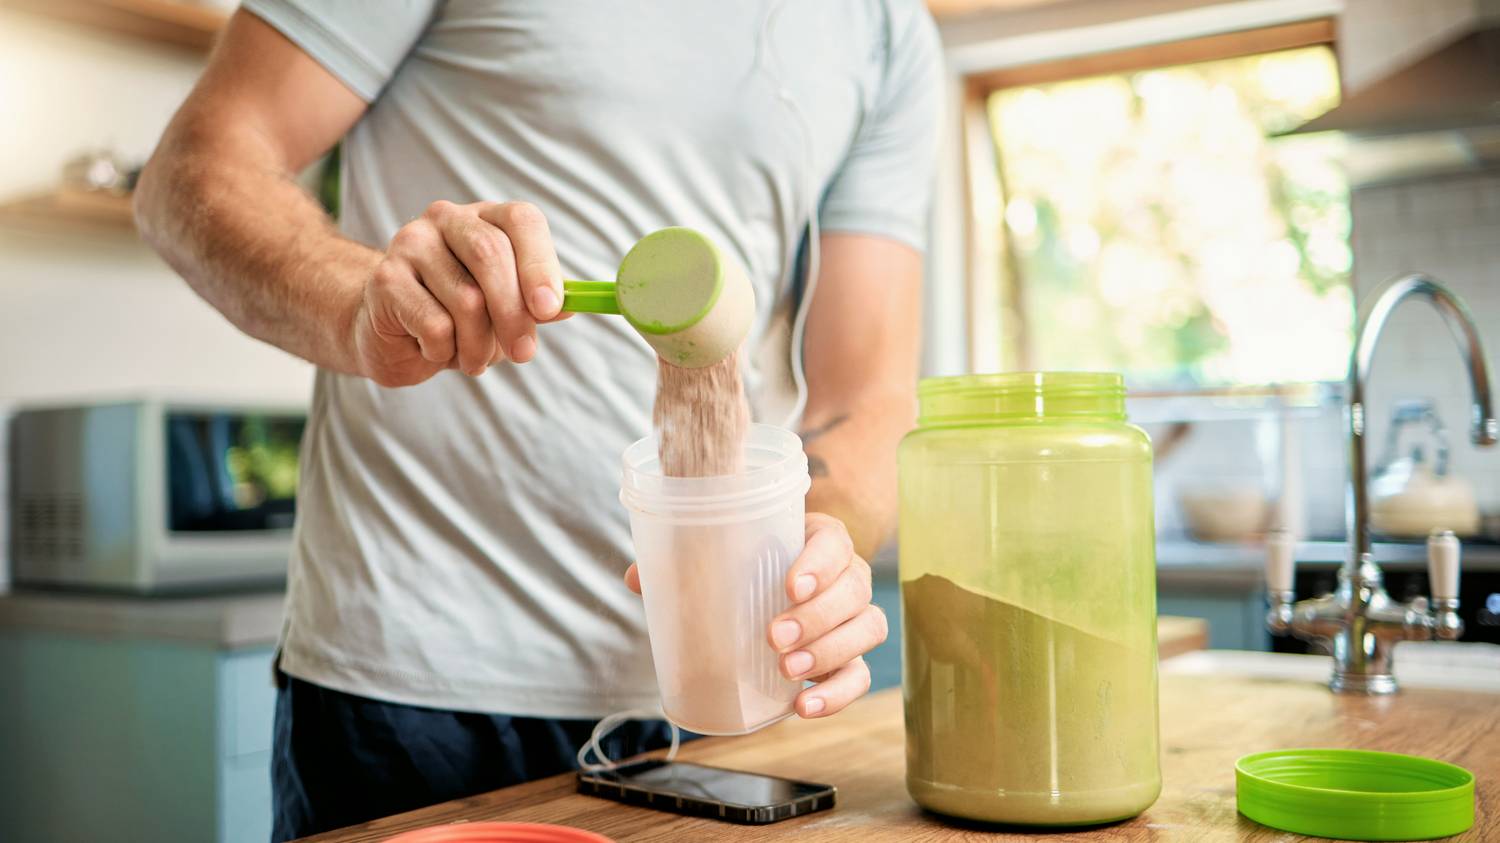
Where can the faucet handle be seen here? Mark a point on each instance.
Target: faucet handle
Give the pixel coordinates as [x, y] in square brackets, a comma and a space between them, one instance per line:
[1281, 554]
[1442, 573]
[1442, 564]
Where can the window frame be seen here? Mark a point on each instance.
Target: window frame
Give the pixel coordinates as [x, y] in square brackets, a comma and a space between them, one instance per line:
[975, 245]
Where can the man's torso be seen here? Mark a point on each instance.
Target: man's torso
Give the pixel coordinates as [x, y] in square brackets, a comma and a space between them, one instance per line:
[460, 543]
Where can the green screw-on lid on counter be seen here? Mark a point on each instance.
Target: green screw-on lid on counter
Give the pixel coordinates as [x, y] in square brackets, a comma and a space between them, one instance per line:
[1355, 794]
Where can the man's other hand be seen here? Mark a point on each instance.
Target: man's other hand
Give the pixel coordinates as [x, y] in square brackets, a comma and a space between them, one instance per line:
[832, 623]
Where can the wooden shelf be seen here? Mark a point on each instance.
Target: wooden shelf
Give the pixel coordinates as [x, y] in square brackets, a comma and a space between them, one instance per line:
[70, 206]
[165, 21]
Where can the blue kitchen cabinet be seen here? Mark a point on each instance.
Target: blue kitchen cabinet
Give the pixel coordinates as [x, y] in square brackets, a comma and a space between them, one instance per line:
[885, 660]
[120, 739]
[1236, 618]
[247, 703]
[1225, 584]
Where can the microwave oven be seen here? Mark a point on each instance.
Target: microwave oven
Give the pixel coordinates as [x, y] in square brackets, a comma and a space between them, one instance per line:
[152, 495]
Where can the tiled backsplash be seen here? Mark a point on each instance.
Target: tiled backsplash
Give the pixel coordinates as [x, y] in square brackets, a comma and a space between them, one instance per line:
[1246, 449]
[1448, 228]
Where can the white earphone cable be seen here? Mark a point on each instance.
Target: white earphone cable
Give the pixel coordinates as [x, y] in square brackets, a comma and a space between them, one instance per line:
[613, 722]
[766, 61]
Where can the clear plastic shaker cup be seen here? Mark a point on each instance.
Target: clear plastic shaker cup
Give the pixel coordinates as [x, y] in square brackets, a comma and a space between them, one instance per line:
[713, 554]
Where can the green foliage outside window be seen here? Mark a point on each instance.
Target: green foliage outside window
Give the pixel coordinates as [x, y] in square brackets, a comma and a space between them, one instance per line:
[1153, 227]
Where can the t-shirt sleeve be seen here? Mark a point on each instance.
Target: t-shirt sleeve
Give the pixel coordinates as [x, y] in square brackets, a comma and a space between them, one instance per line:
[360, 43]
[884, 186]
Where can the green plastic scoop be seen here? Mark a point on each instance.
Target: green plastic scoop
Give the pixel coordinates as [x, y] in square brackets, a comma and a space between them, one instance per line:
[679, 292]
[590, 297]
[1355, 794]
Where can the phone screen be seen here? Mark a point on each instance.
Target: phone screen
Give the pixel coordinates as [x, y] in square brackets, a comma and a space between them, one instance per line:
[710, 784]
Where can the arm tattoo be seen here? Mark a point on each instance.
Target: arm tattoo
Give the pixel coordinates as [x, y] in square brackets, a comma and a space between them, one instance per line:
[810, 434]
[817, 466]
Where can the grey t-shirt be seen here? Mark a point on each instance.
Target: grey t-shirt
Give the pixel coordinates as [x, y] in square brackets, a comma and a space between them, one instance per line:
[460, 543]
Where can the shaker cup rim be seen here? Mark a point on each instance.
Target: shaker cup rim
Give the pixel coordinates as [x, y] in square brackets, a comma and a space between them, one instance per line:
[776, 468]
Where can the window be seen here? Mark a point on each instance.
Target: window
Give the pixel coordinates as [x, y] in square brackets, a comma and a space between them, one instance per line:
[1148, 222]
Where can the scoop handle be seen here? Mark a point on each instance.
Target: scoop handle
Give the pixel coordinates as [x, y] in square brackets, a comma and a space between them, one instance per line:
[589, 297]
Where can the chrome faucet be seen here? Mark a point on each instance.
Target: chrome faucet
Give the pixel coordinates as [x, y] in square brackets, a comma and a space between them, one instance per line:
[1359, 621]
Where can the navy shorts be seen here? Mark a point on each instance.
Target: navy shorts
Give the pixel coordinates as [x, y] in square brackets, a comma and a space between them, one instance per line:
[338, 759]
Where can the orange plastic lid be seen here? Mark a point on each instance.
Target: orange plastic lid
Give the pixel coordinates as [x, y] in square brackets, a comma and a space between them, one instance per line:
[499, 833]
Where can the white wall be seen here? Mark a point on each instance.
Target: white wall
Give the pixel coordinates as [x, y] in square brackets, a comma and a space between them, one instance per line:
[86, 311]
[1379, 36]
[87, 317]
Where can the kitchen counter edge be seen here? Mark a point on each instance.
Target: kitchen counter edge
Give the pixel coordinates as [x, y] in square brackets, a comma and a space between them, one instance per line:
[224, 621]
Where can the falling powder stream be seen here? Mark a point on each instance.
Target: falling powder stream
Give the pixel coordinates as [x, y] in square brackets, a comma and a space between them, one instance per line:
[701, 418]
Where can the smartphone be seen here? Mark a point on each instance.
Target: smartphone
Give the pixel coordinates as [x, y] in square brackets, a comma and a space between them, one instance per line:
[712, 792]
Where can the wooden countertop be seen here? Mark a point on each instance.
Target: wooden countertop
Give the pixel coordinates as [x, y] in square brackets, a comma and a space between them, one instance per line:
[1207, 722]
[1177, 635]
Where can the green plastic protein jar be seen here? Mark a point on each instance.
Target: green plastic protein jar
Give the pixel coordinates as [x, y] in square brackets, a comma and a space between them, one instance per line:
[1028, 589]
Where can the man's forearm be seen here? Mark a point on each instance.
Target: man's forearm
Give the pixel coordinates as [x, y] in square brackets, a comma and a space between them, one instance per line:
[253, 244]
[851, 455]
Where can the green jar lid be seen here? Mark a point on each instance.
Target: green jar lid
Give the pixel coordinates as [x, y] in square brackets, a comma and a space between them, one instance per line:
[1355, 794]
[1010, 396]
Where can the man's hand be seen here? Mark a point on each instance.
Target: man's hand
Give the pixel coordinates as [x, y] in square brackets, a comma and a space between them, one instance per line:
[460, 287]
[832, 623]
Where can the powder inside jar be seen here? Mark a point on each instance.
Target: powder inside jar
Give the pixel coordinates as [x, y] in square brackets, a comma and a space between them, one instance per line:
[1014, 717]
